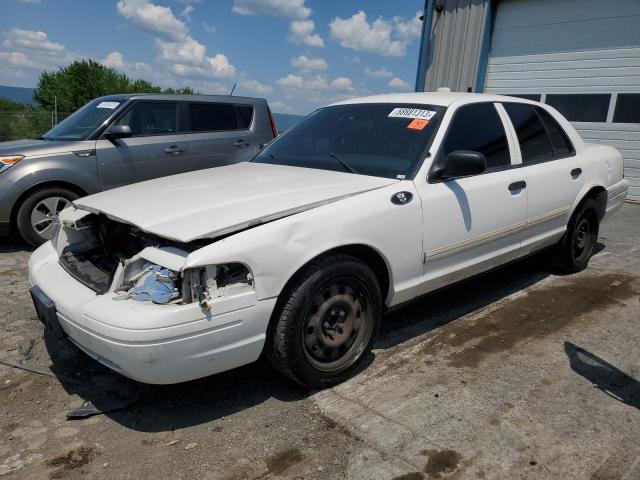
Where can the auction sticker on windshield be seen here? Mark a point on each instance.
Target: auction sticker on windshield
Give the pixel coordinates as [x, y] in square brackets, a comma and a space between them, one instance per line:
[412, 113]
[109, 105]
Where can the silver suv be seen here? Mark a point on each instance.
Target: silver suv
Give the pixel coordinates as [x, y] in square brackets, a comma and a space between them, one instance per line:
[121, 139]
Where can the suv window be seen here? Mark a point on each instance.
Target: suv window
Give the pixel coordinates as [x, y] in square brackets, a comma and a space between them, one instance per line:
[532, 136]
[208, 117]
[478, 127]
[559, 140]
[151, 118]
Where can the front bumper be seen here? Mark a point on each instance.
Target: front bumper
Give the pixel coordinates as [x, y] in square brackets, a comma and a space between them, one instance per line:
[158, 344]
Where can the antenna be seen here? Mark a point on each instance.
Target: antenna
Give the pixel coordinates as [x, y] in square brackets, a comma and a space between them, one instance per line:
[234, 87]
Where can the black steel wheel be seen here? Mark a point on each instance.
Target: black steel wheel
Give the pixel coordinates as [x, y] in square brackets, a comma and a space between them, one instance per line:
[577, 245]
[325, 321]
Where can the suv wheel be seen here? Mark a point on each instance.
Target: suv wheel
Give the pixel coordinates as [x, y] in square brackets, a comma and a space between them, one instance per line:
[38, 212]
[576, 247]
[325, 323]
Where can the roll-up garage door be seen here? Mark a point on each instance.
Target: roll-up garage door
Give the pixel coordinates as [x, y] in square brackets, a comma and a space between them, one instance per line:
[582, 57]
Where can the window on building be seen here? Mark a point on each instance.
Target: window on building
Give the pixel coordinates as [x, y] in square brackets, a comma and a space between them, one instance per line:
[535, 145]
[151, 118]
[478, 127]
[581, 107]
[627, 108]
[559, 140]
[527, 96]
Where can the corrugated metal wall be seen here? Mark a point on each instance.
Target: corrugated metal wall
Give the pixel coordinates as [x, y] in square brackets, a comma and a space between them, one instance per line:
[572, 46]
[454, 44]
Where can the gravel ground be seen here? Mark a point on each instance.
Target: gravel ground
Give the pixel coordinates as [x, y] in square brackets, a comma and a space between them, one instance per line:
[516, 374]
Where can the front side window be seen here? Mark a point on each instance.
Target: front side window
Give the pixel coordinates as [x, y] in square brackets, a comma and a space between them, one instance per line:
[478, 127]
[151, 118]
[378, 139]
[532, 136]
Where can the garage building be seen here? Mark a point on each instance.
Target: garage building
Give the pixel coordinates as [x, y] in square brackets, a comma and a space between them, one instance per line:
[580, 56]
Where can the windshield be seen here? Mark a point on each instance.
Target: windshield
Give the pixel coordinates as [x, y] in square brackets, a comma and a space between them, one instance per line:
[84, 121]
[378, 139]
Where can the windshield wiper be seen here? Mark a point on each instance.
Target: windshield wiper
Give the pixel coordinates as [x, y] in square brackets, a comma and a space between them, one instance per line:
[346, 166]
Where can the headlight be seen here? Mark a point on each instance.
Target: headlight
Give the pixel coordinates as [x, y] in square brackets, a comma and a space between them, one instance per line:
[9, 160]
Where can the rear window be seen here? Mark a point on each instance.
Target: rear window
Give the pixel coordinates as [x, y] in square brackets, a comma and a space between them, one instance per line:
[532, 135]
[559, 140]
[581, 107]
[379, 139]
[209, 117]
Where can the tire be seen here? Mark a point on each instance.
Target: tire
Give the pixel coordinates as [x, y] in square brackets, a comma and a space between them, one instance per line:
[325, 321]
[574, 250]
[39, 210]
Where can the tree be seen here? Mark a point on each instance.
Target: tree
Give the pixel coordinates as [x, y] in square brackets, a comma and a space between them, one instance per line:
[84, 80]
[7, 105]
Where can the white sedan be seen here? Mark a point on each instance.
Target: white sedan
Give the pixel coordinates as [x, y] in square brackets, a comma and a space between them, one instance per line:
[363, 205]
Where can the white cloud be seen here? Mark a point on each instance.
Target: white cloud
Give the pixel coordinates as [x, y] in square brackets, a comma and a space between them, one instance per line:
[298, 82]
[352, 60]
[256, 87]
[342, 83]
[411, 28]
[208, 28]
[187, 51]
[113, 59]
[380, 73]
[184, 54]
[17, 59]
[31, 40]
[358, 34]
[155, 19]
[29, 1]
[279, 8]
[303, 31]
[186, 12]
[280, 106]
[396, 82]
[305, 63]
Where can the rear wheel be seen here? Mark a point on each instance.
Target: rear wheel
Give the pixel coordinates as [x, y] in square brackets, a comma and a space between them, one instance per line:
[326, 321]
[39, 211]
[576, 247]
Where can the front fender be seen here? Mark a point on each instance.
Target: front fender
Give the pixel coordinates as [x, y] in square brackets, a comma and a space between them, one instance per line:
[277, 250]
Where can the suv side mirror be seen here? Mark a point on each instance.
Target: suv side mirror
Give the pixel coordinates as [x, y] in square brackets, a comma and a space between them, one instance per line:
[460, 163]
[117, 131]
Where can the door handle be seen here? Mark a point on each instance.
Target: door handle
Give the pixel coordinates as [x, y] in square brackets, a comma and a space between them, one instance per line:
[241, 144]
[576, 172]
[174, 150]
[517, 185]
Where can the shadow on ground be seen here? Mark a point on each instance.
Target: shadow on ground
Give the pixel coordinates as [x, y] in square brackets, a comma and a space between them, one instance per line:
[164, 408]
[604, 376]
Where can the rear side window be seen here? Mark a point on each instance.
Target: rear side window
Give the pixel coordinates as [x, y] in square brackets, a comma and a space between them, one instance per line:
[151, 118]
[559, 140]
[478, 127]
[581, 107]
[532, 136]
[208, 117]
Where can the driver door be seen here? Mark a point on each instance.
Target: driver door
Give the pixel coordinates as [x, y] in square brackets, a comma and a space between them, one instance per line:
[473, 223]
[155, 148]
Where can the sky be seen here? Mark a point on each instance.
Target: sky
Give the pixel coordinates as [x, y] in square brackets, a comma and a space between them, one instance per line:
[299, 54]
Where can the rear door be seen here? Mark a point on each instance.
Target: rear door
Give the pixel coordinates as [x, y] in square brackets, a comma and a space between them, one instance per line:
[553, 173]
[154, 149]
[473, 223]
[218, 134]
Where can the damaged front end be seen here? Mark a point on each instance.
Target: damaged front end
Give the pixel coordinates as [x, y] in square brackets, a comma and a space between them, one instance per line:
[110, 256]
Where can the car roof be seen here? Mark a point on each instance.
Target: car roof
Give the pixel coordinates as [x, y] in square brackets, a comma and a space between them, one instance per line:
[176, 97]
[443, 99]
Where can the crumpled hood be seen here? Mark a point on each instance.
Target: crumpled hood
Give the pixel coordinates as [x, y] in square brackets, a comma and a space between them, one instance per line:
[214, 202]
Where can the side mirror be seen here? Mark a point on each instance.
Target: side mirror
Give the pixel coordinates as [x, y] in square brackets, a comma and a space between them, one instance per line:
[460, 163]
[117, 131]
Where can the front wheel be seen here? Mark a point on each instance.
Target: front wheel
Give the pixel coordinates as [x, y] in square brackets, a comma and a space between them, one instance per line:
[325, 322]
[576, 246]
[39, 211]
